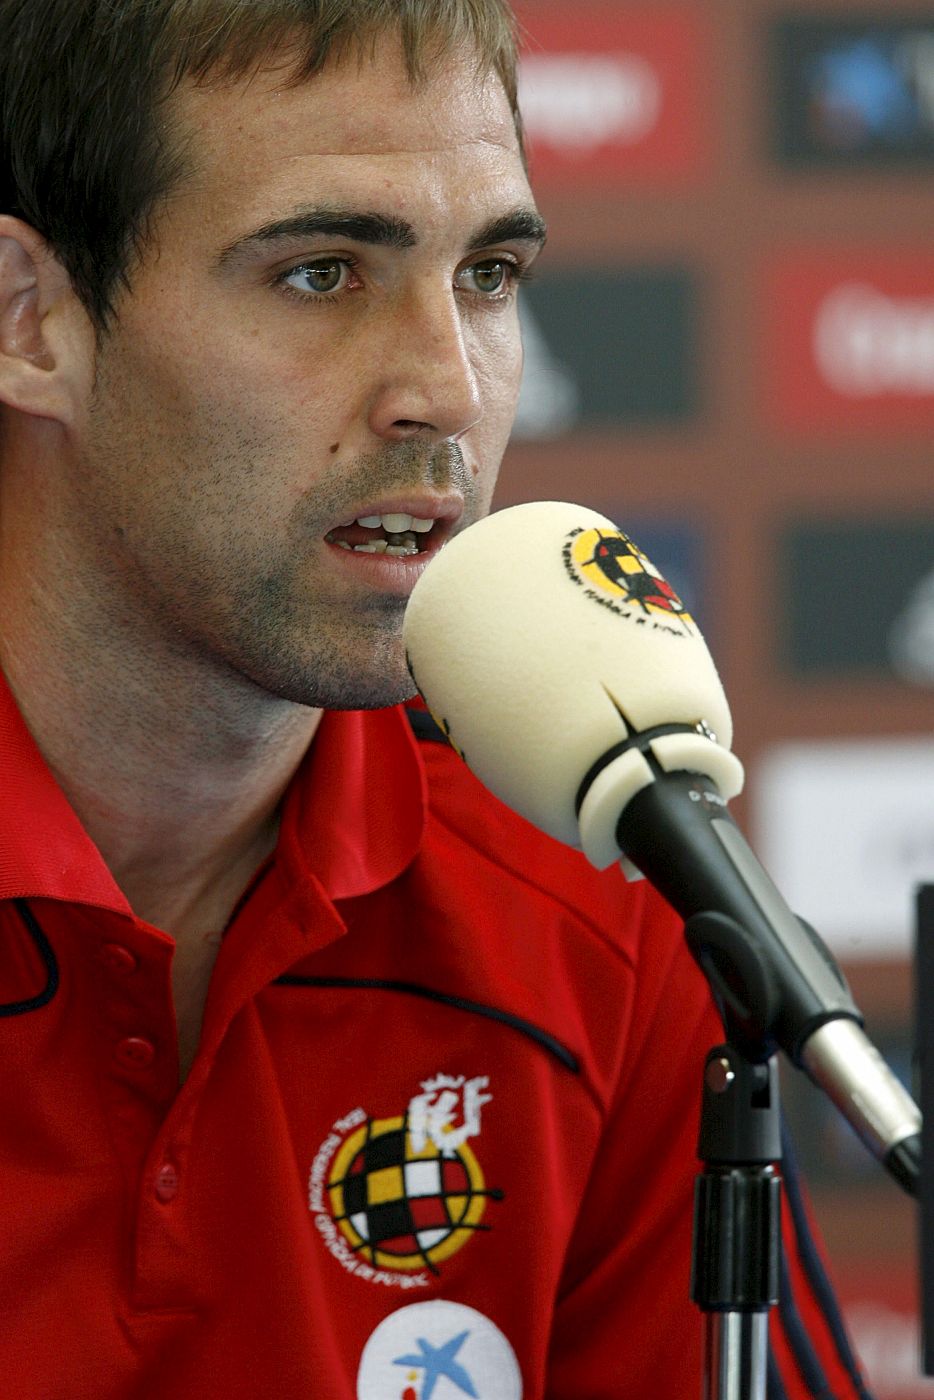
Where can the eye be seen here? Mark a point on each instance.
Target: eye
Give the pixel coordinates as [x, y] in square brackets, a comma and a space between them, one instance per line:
[321, 278]
[491, 278]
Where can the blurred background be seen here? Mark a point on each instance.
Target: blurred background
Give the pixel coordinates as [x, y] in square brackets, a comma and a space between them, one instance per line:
[730, 351]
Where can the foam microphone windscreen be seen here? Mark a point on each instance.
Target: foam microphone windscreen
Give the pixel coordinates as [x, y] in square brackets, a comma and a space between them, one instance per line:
[542, 640]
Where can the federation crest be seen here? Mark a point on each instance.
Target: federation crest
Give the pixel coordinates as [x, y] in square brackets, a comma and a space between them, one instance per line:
[394, 1198]
[615, 571]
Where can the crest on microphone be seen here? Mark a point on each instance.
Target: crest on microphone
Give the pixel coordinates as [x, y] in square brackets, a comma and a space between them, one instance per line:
[612, 570]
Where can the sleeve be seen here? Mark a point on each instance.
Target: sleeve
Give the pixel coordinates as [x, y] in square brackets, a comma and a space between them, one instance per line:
[624, 1326]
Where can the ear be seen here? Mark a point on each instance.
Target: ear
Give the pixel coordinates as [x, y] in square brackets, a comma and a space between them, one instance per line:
[46, 337]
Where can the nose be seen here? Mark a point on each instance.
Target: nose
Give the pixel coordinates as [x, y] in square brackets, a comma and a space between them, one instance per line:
[427, 382]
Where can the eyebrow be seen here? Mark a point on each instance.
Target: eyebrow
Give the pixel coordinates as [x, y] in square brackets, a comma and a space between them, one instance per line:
[384, 230]
[520, 225]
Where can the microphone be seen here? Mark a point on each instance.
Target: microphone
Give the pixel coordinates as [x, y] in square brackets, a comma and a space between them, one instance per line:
[572, 680]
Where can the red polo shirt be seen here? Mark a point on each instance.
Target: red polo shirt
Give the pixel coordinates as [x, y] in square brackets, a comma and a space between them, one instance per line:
[438, 1138]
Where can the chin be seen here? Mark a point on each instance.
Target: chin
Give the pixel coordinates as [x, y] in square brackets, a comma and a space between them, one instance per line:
[376, 697]
[372, 689]
[339, 667]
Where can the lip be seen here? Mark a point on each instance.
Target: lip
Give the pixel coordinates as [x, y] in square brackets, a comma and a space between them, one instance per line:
[444, 510]
[398, 574]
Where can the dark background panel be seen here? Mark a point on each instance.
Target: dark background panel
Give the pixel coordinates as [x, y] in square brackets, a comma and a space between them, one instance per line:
[626, 337]
[847, 589]
[852, 92]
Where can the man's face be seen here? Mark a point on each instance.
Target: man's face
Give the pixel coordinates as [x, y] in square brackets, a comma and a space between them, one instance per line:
[324, 331]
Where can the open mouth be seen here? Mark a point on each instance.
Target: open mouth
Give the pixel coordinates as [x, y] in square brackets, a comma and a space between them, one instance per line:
[398, 535]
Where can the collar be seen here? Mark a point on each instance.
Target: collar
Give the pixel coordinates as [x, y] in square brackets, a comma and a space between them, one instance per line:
[354, 815]
[352, 819]
[44, 849]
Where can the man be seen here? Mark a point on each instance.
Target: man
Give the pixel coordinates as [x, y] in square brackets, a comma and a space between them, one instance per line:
[323, 1074]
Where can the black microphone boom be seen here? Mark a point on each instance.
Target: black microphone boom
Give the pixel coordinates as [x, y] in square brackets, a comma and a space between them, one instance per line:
[775, 981]
[577, 686]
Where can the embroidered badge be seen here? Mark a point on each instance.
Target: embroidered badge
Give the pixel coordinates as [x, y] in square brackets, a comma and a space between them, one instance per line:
[439, 1349]
[616, 574]
[393, 1198]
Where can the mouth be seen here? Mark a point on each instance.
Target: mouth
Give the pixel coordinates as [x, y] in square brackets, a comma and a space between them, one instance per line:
[394, 534]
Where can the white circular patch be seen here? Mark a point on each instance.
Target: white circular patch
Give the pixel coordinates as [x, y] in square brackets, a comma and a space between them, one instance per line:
[438, 1351]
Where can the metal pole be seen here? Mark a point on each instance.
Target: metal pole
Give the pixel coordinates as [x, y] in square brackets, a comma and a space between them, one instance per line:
[736, 1355]
[737, 1236]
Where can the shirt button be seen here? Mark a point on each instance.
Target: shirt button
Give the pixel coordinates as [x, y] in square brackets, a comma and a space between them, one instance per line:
[166, 1183]
[135, 1052]
[118, 959]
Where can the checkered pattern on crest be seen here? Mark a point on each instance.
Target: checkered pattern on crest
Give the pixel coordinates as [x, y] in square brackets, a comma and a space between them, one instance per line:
[400, 1202]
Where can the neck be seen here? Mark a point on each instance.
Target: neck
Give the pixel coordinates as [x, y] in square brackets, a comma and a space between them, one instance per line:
[175, 765]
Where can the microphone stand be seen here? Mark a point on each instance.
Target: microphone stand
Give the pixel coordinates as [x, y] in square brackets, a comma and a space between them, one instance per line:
[737, 1232]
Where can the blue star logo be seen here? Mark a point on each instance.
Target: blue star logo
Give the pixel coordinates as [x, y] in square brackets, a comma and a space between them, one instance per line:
[439, 1363]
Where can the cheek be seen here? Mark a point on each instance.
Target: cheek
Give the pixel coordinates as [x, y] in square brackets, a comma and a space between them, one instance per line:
[193, 357]
[498, 362]
[240, 382]
[244, 425]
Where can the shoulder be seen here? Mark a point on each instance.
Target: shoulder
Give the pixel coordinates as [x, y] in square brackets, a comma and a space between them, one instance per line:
[598, 961]
[503, 851]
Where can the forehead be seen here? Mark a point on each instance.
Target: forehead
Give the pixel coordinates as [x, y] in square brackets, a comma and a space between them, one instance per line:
[360, 127]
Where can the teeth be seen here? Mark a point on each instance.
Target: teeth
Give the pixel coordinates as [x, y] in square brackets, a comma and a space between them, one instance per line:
[373, 547]
[401, 534]
[383, 547]
[395, 523]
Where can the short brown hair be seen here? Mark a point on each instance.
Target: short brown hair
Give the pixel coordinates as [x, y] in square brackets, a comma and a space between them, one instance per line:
[85, 148]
